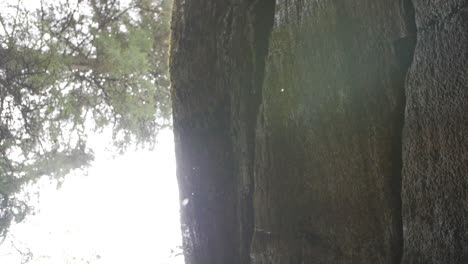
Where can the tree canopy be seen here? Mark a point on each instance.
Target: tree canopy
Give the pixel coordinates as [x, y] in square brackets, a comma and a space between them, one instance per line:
[68, 68]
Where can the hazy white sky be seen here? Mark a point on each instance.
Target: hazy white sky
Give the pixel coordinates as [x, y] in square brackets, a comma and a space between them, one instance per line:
[126, 211]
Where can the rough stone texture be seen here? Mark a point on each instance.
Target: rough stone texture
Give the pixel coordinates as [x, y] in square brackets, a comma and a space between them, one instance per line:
[299, 159]
[328, 163]
[217, 57]
[435, 149]
[432, 12]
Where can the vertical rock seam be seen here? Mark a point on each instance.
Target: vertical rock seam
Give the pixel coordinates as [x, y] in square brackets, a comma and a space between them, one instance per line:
[337, 153]
[246, 99]
[404, 48]
[217, 54]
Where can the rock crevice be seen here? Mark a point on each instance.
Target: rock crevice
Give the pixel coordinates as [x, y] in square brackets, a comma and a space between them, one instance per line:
[321, 131]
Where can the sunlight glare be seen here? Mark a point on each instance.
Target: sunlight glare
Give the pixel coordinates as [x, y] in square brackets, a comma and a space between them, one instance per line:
[125, 211]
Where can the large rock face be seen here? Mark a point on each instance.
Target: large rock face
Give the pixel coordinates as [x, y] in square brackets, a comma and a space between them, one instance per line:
[328, 163]
[435, 139]
[217, 64]
[288, 121]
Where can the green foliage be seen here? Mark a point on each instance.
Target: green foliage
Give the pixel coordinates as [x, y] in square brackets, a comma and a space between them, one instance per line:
[70, 68]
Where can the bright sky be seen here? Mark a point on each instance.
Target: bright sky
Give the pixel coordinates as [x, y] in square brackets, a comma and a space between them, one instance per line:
[126, 211]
